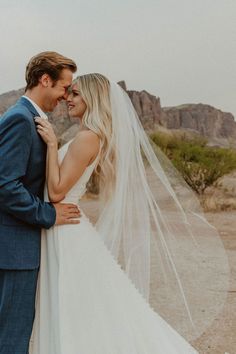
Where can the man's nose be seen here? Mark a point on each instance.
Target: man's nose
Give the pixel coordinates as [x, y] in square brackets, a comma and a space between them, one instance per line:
[65, 96]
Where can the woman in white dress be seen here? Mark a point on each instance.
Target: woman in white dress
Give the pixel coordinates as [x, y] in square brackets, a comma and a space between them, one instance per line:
[87, 303]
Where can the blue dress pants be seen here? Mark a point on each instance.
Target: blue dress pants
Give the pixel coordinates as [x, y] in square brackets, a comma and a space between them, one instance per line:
[17, 309]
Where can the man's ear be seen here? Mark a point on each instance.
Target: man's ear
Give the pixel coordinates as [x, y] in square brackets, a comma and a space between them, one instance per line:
[45, 80]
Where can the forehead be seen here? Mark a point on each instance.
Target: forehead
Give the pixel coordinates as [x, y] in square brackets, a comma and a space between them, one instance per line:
[75, 87]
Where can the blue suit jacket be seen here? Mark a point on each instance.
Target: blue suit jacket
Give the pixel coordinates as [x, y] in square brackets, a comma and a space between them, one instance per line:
[22, 176]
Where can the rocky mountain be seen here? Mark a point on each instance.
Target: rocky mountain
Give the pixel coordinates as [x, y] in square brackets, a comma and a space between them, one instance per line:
[146, 105]
[219, 127]
[201, 119]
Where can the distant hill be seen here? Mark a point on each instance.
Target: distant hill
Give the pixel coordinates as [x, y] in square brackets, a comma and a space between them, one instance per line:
[217, 126]
[9, 98]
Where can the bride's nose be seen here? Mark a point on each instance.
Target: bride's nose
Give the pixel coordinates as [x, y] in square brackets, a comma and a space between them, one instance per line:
[68, 99]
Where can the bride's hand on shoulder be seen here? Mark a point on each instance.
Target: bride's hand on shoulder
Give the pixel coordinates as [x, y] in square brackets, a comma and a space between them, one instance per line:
[46, 131]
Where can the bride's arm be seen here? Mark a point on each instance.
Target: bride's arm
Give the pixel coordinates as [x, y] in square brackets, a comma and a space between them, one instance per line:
[81, 152]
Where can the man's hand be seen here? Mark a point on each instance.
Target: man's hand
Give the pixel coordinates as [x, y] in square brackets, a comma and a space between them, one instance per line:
[66, 213]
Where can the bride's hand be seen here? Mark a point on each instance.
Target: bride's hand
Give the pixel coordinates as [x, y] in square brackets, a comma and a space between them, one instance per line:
[46, 131]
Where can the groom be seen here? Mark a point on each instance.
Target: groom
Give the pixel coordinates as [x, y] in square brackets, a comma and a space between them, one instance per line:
[22, 210]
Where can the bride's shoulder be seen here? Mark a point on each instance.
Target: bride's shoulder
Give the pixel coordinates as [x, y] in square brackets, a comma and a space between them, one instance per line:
[86, 139]
[87, 136]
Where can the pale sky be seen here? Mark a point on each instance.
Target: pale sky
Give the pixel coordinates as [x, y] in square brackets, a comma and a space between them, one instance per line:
[182, 51]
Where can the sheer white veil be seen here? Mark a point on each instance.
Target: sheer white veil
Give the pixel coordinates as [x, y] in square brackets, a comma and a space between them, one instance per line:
[154, 227]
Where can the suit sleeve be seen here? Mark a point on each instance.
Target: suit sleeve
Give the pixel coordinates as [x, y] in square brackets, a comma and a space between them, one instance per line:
[15, 199]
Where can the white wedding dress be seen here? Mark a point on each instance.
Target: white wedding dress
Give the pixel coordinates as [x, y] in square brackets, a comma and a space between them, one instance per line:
[86, 304]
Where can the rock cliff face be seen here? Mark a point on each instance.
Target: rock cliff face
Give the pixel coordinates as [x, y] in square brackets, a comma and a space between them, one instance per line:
[148, 108]
[219, 127]
[204, 119]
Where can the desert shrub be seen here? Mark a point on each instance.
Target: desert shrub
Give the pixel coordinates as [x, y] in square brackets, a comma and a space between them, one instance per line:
[199, 164]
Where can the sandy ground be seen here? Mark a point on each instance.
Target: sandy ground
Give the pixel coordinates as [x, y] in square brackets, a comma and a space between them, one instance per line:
[220, 337]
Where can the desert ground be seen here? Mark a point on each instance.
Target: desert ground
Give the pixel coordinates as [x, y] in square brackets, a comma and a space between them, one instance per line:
[220, 337]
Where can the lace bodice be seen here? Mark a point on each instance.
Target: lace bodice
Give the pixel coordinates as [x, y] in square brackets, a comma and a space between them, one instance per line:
[79, 189]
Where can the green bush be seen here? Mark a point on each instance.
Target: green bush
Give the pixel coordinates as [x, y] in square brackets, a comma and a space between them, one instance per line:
[199, 164]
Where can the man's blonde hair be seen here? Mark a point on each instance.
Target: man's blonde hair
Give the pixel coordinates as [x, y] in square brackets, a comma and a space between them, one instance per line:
[50, 63]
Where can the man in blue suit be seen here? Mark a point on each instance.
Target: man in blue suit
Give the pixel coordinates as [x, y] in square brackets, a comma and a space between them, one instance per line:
[23, 211]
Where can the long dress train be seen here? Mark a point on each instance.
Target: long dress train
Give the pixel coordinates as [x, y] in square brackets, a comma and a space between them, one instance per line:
[86, 304]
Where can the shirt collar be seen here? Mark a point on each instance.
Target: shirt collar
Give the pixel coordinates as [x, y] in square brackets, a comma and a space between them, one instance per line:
[41, 113]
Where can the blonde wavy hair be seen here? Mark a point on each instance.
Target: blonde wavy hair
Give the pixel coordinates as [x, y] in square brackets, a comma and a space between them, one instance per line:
[95, 90]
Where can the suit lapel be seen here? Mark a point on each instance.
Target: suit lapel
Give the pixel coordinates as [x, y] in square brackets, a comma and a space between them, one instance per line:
[23, 101]
[28, 105]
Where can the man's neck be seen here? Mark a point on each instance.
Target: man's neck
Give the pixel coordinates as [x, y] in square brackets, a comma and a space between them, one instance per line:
[35, 98]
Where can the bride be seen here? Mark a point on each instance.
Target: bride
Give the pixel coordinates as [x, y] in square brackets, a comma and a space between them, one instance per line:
[95, 281]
